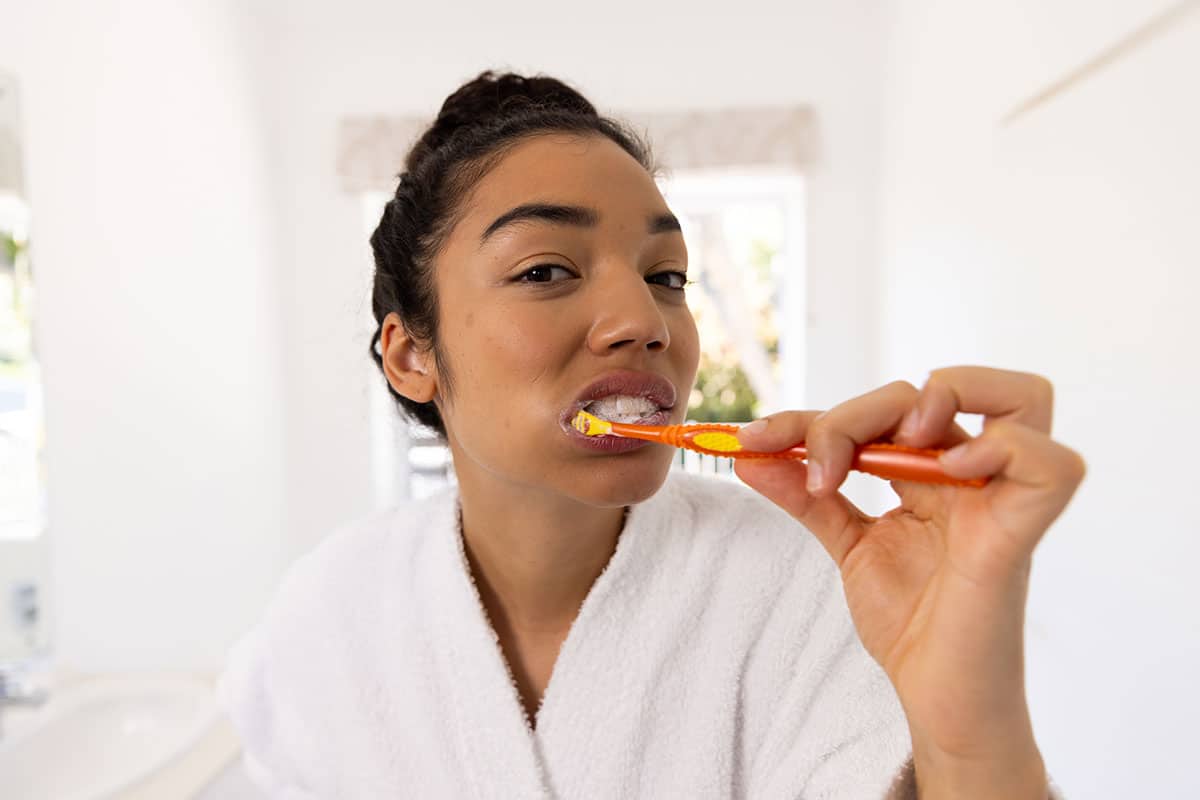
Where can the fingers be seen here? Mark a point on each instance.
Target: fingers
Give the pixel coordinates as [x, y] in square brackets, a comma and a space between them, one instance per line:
[1042, 472]
[1018, 411]
[832, 436]
[996, 393]
[777, 431]
[836, 522]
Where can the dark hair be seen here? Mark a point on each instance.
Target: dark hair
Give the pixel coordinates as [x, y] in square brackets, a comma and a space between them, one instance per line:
[477, 125]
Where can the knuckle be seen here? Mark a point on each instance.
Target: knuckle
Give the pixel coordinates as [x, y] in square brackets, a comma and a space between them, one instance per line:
[824, 439]
[1078, 465]
[998, 428]
[942, 381]
[906, 390]
[1042, 388]
[818, 426]
[789, 426]
[947, 374]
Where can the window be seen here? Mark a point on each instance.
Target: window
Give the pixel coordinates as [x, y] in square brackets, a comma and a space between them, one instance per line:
[745, 238]
[22, 474]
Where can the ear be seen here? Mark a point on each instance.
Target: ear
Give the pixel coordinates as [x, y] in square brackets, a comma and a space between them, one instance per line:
[409, 369]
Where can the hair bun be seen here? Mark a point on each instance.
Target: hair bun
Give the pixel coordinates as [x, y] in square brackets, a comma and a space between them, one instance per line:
[492, 96]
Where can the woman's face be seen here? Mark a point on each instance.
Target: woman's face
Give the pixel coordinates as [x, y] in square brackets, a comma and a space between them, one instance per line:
[534, 310]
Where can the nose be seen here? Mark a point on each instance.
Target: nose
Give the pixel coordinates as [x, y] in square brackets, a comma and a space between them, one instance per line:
[628, 316]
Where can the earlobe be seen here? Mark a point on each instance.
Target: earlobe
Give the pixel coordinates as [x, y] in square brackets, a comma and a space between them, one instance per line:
[409, 369]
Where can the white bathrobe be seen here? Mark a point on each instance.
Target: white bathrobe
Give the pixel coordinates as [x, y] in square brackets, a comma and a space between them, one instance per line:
[713, 658]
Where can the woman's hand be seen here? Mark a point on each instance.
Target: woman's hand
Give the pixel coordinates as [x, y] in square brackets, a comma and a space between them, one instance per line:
[937, 585]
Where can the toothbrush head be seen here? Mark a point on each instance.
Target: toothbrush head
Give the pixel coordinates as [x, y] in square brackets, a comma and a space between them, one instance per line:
[590, 425]
[718, 441]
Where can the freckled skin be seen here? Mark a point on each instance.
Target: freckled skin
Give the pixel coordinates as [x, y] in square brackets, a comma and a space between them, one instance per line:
[520, 353]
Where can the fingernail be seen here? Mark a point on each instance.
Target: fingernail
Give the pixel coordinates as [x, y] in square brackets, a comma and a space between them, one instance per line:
[815, 475]
[752, 428]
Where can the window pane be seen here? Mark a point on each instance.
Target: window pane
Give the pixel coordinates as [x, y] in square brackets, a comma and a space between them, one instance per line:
[22, 477]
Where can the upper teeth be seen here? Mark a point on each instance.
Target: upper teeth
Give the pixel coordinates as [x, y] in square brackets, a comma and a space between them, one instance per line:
[622, 408]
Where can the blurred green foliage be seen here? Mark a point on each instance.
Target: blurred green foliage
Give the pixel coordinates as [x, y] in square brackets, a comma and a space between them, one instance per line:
[8, 249]
[722, 392]
[725, 392]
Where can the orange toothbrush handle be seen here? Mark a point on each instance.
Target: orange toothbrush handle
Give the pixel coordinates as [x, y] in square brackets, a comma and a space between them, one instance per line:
[886, 460]
[899, 463]
[893, 462]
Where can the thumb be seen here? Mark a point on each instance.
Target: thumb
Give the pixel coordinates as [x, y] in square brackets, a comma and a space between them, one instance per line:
[836, 522]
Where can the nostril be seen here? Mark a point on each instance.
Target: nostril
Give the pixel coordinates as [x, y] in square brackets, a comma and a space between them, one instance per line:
[654, 345]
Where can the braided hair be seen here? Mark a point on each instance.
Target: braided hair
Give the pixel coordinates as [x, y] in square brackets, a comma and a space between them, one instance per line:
[477, 126]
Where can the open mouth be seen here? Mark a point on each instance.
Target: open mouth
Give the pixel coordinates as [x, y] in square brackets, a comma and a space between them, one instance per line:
[626, 408]
[622, 395]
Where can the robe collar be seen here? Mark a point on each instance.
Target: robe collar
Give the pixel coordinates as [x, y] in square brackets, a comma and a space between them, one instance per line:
[503, 756]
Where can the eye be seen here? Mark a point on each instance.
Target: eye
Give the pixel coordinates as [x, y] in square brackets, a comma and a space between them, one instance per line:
[541, 273]
[676, 280]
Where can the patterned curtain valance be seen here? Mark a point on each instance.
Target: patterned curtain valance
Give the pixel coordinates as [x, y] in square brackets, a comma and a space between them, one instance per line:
[370, 150]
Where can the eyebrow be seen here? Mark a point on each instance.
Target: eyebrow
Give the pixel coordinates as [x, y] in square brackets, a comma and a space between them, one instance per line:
[576, 216]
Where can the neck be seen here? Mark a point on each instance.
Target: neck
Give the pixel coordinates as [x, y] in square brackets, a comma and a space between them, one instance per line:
[534, 559]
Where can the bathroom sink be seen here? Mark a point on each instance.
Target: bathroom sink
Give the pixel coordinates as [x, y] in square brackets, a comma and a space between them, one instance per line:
[113, 736]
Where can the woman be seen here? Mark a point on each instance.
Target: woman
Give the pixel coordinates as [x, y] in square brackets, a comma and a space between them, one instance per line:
[581, 621]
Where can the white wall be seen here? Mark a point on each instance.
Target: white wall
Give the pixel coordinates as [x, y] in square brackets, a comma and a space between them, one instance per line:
[159, 325]
[1065, 244]
[203, 283]
[203, 280]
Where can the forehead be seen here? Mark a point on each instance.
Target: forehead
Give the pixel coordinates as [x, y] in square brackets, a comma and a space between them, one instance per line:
[572, 169]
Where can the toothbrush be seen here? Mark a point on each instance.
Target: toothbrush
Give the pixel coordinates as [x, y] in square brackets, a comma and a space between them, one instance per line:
[883, 459]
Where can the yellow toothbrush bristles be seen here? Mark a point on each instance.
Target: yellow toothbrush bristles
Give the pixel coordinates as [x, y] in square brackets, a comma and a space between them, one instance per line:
[719, 441]
[590, 424]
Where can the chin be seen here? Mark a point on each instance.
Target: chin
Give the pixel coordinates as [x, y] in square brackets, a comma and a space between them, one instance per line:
[617, 484]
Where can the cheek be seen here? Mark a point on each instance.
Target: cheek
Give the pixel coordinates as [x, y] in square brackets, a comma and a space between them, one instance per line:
[686, 338]
[519, 349]
[513, 388]
[516, 362]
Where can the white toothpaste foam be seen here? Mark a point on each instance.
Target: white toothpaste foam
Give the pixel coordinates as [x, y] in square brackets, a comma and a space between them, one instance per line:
[622, 408]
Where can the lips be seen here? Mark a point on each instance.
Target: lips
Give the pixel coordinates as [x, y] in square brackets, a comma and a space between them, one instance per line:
[655, 388]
